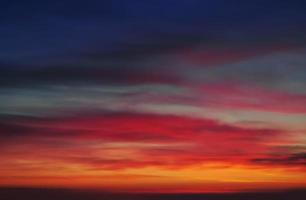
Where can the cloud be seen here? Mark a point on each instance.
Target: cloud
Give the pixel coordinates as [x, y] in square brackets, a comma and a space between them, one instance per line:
[277, 70]
[135, 126]
[131, 140]
[239, 96]
[296, 159]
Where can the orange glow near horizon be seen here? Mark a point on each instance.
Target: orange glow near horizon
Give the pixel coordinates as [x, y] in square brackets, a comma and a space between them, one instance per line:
[195, 179]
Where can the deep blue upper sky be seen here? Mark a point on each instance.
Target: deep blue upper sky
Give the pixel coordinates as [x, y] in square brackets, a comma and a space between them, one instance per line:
[31, 31]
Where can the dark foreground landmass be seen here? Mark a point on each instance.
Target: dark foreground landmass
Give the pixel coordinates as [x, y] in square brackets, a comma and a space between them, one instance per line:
[63, 194]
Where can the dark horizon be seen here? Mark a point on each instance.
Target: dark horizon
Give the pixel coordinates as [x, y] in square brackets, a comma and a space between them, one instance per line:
[15, 193]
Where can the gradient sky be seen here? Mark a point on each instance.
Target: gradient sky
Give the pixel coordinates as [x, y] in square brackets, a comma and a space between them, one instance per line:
[161, 95]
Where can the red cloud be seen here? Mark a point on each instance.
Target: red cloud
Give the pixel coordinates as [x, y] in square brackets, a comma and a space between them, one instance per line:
[250, 98]
[124, 140]
[217, 56]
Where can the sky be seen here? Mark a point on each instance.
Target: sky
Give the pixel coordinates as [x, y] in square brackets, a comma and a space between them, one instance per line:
[153, 96]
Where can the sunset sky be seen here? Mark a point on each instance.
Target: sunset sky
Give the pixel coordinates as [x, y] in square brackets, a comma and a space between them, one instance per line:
[153, 96]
